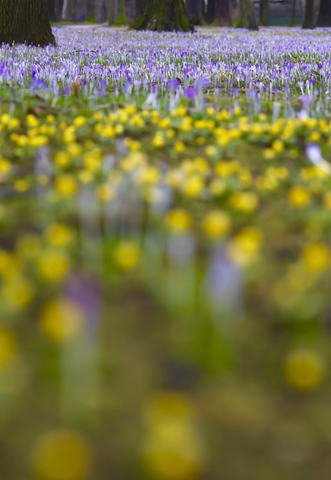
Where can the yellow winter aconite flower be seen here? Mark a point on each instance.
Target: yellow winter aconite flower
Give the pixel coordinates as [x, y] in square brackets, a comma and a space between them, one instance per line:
[8, 347]
[211, 150]
[327, 200]
[179, 220]
[5, 166]
[149, 175]
[27, 246]
[58, 234]
[277, 146]
[31, 121]
[244, 248]
[62, 455]
[158, 140]
[17, 291]
[165, 122]
[315, 136]
[85, 176]
[224, 169]
[38, 141]
[304, 369]
[74, 149]
[105, 193]
[244, 201]
[194, 186]
[61, 320]
[172, 449]
[53, 266]
[79, 121]
[268, 153]
[179, 147]
[316, 256]
[299, 196]
[62, 159]
[66, 185]
[21, 185]
[127, 254]
[216, 224]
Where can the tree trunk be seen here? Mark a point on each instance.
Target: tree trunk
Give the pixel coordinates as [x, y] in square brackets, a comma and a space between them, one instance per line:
[65, 11]
[265, 13]
[294, 6]
[51, 10]
[74, 10]
[308, 22]
[59, 7]
[90, 16]
[324, 14]
[25, 21]
[163, 15]
[110, 19]
[121, 14]
[194, 10]
[210, 12]
[223, 13]
[246, 16]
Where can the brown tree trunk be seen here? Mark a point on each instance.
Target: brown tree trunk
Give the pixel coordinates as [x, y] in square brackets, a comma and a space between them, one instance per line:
[223, 13]
[25, 21]
[163, 15]
[90, 16]
[210, 11]
[51, 10]
[308, 22]
[110, 18]
[121, 14]
[265, 13]
[294, 6]
[194, 11]
[246, 17]
[324, 14]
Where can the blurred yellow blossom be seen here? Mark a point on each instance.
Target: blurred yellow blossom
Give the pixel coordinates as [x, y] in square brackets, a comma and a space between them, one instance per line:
[127, 254]
[179, 220]
[61, 320]
[62, 455]
[216, 224]
[299, 196]
[53, 265]
[316, 256]
[8, 347]
[304, 369]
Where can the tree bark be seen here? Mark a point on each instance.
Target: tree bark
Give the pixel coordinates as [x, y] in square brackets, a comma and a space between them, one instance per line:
[51, 10]
[294, 6]
[110, 19]
[308, 22]
[90, 16]
[194, 10]
[65, 10]
[246, 16]
[324, 14]
[74, 10]
[121, 14]
[25, 21]
[59, 7]
[265, 13]
[210, 11]
[223, 13]
[163, 15]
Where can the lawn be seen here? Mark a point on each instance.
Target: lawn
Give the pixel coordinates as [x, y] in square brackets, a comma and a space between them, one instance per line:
[165, 225]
